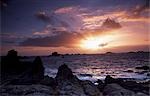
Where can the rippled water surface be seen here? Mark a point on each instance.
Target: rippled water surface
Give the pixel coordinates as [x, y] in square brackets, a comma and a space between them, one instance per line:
[93, 67]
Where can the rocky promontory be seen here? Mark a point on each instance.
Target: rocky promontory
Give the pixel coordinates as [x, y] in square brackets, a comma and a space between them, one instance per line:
[30, 81]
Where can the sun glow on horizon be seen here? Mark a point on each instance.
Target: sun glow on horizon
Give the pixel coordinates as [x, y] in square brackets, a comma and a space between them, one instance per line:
[95, 43]
[91, 44]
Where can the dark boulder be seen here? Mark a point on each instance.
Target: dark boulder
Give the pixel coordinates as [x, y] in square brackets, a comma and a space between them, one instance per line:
[130, 85]
[109, 80]
[37, 69]
[12, 53]
[136, 87]
[55, 54]
[90, 89]
[129, 71]
[100, 85]
[64, 73]
[70, 85]
[143, 68]
[85, 75]
[49, 81]
[33, 74]
[10, 64]
[116, 90]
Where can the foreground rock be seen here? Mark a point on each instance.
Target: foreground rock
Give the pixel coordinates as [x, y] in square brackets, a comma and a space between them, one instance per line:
[32, 81]
[20, 72]
[130, 85]
[116, 90]
[28, 90]
[70, 85]
[37, 70]
[10, 64]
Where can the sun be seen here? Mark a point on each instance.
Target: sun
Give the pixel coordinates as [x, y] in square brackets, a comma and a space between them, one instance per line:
[91, 43]
[96, 42]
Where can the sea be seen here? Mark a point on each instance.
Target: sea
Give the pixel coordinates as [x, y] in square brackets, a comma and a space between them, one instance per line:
[97, 66]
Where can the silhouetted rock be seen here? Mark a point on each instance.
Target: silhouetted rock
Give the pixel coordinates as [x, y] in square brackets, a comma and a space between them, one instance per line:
[21, 72]
[109, 79]
[33, 74]
[10, 64]
[85, 75]
[143, 67]
[70, 85]
[100, 85]
[90, 89]
[37, 69]
[55, 54]
[130, 85]
[12, 53]
[64, 73]
[28, 90]
[136, 87]
[109, 53]
[129, 71]
[49, 81]
[116, 90]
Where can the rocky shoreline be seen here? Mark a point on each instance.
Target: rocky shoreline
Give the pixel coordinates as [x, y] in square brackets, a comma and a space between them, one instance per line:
[32, 81]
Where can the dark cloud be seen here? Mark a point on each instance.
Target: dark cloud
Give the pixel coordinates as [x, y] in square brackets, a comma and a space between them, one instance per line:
[53, 19]
[64, 39]
[8, 39]
[111, 24]
[43, 16]
[139, 9]
[103, 45]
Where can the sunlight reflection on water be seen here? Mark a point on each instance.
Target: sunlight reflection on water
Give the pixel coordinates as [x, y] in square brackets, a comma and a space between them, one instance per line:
[98, 66]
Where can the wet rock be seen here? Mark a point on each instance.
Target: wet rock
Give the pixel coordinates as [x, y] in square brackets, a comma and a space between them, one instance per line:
[136, 87]
[130, 85]
[28, 90]
[85, 75]
[90, 89]
[37, 69]
[109, 80]
[71, 89]
[116, 90]
[143, 68]
[70, 85]
[148, 74]
[49, 81]
[142, 72]
[129, 71]
[140, 94]
[65, 74]
[100, 85]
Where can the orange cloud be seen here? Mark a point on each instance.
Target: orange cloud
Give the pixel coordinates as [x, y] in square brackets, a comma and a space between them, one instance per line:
[65, 10]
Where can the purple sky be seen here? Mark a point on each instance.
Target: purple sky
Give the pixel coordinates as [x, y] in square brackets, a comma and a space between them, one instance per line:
[67, 26]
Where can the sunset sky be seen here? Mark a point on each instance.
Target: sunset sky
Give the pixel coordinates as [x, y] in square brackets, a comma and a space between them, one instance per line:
[40, 27]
